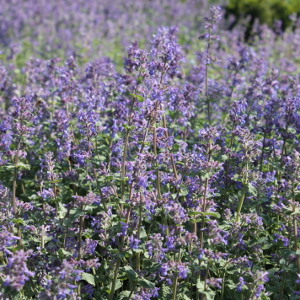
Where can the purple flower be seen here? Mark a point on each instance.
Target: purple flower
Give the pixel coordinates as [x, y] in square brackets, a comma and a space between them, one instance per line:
[133, 242]
[89, 290]
[182, 270]
[170, 242]
[164, 269]
[16, 270]
[124, 227]
[89, 246]
[240, 285]
[142, 182]
[259, 289]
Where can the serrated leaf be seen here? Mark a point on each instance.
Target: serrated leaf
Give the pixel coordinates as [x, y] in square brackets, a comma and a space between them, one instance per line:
[89, 278]
[131, 274]
[200, 285]
[63, 253]
[119, 284]
[18, 221]
[23, 166]
[62, 211]
[164, 292]
[138, 97]
[212, 213]
[9, 167]
[210, 294]
[194, 213]
[208, 213]
[183, 297]
[224, 157]
[146, 283]
[124, 294]
[251, 189]
[143, 233]
[75, 214]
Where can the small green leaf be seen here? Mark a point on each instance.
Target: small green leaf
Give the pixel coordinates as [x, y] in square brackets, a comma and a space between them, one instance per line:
[18, 221]
[62, 211]
[146, 283]
[75, 213]
[63, 253]
[89, 278]
[212, 213]
[208, 213]
[194, 213]
[252, 190]
[138, 97]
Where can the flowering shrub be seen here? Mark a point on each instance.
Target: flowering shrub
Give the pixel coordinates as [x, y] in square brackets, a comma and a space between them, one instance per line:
[176, 178]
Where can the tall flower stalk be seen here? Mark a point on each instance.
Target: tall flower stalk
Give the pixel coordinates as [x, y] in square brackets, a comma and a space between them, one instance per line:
[210, 27]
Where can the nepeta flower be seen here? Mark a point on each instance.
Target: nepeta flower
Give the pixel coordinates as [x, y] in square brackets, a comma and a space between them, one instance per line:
[241, 284]
[16, 271]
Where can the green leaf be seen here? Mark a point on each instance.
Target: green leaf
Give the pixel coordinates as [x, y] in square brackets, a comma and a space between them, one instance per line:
[210, 295]
[119, 284]
[18, 221]
[252, 190]
[146, 283]
[183, 297]
[208, 213]
[75, 214]
[200, 285]
[131, 274]
[89, 278]
[212, 213]
[62, 211]
[143, 233]
[164, 292]
[138, 97]
[194, 213]
[23, 166]
[63, 253]
[9, 167]
[224, 157]
[124, 294]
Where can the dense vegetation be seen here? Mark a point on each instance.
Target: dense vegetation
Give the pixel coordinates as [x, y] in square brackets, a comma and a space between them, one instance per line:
[169, 170]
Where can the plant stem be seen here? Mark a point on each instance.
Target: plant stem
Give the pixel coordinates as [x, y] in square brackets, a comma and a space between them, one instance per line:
[206, 79]
[242, 198]
[81, 220]
[203, 210]
[241, 202]
[176, 279]
[282, 285]
[175, 287]
[123, 167]
[295, 231]
[138, 265]
[204, 202]
[16, 161]
[172, 159]
[132, 290]
[157, 171]
[112, 291]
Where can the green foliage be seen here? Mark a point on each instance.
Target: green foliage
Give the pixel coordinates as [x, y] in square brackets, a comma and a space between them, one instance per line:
[266, 11]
